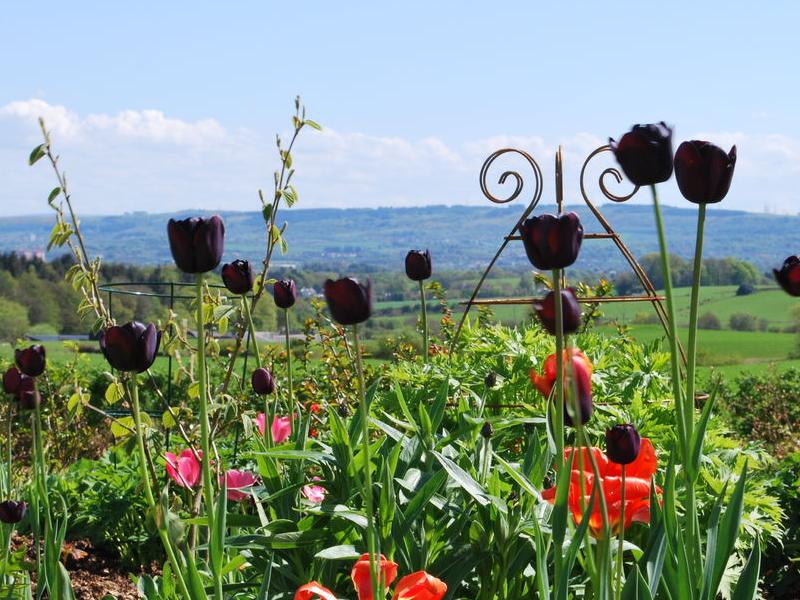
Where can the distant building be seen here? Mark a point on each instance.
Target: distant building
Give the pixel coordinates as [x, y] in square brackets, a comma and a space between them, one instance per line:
[309, 292]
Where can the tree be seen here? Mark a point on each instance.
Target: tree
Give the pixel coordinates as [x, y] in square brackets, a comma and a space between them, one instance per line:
[13, 320]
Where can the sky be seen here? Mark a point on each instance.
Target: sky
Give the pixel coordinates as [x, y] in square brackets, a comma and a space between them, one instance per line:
[165, 106]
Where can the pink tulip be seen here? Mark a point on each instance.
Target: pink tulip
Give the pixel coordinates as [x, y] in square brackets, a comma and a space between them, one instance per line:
[281, 427]
[184, 470]
[314, 493]
[238, 483]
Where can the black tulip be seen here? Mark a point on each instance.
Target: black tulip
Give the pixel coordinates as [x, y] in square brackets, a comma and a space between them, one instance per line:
[487, 431]
[196, 243]
[789, 275]
[238, 277]
[12, 511]
[31, 360]
[622, 444]
[285, 293]
[262, 381]
[11, 380]
[645, 153]
[570, 311]
[27, 395]
[490, 380]
[552, 242]
[349, 301]
[418, 265]
[130, 347]
[704, 171]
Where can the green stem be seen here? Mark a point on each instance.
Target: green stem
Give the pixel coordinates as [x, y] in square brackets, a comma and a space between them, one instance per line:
[558, 426]
[620, 547]
[9, 449]
[693, 309]
[41, 466]
[424, 314]
[133, 392]
[673, 330]
[251, 326]
[205, 462]
[289, 399]
[372, 538]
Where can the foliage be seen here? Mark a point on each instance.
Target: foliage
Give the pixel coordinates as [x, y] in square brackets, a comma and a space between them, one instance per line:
[13, 320]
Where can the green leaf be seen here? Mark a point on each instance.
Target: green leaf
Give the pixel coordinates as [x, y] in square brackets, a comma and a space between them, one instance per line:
[313, 124]
[417, 504]
[747, 586]
[342, 552]
[463, 479]
[53, 195]
[728, 531]
[636, 587]
[699, 434]
[114, 392]
[37, 153]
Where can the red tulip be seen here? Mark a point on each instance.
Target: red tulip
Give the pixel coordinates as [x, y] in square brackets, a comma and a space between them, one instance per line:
[238, 484]
[789, 275]
[420, 586]
[184, 469]
[311, 589]
[582, 370]
[361, 575]
[281, 427]
[638, 475]
[31, 360]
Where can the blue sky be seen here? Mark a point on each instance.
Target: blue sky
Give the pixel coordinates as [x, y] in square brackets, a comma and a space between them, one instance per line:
[161, 106]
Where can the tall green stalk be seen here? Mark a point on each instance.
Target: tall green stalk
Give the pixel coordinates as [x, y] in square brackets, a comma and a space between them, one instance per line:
[424, 314]
[133, 392]
[621, 545]
[289, 398]
[558, 426]
[252, 336]
[205, 443]
[373, 544]
[9, 451]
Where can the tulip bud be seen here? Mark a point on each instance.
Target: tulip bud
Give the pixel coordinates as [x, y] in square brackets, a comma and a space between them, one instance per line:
[703, 171]
[490, 380]
[238, 277]
[31, 361]
[196, 243]
[645, 153]
[552, 242]
[349, 301]
[570, 311]
[486, 430]
[11, 379]
[262, 381]
[131, 347]
[789, 275]
[285, 293]
[360, 574]
[27, 395]
[418, 265]
[622, 444]
[12, 511]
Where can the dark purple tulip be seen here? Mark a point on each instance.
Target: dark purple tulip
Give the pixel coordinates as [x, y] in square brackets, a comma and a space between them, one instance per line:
[238, 277]
[552, 242]
[570, 311]
[418, 264]
[196, 243]
[262, 381]
[703, 171]
[12, 511]
[789, 275]
[11, 379]
[349, 301]
[285, 293]
[622, 444]
[27, 395]
[130, 347]
[31, 360]
[645, 153]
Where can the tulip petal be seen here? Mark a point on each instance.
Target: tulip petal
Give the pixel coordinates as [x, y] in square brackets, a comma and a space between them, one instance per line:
[311, 589]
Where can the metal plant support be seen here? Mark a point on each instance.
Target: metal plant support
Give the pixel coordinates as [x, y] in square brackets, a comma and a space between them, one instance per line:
[650, 294]
[123, 288]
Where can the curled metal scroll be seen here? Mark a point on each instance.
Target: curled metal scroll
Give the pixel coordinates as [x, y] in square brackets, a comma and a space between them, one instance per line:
[601, 180]
[518, 188]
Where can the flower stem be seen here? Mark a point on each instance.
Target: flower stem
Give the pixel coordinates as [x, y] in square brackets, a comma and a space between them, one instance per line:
[673, 330]
[133, 392]
[251, 326]
[424, 314]
[620, 548]
[558, 426]
[693, 309]
[205, 460]
[9, 451]
[289, 384]
[372, 538]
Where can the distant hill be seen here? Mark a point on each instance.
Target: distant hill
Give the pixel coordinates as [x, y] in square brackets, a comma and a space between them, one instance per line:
[459, 237]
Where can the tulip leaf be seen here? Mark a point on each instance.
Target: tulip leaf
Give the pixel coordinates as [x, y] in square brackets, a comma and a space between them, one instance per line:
[341, 552]
[747, 587]
[463, 479]
[728, 531]
[423, 496]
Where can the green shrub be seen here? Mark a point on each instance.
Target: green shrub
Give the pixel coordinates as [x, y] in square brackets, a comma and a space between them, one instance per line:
[709, 320]
[743, 322]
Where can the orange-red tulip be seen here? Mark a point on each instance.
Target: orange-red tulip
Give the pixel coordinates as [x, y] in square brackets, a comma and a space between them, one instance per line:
[582, 370]
[638, 475]
[361, 576]
[420, 586]
[311, 589]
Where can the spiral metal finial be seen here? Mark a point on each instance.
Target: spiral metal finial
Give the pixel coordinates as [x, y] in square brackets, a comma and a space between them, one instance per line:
[519, 182]
[612, 171]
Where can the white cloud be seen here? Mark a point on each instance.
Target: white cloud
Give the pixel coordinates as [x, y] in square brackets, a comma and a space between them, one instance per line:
[146, 160]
